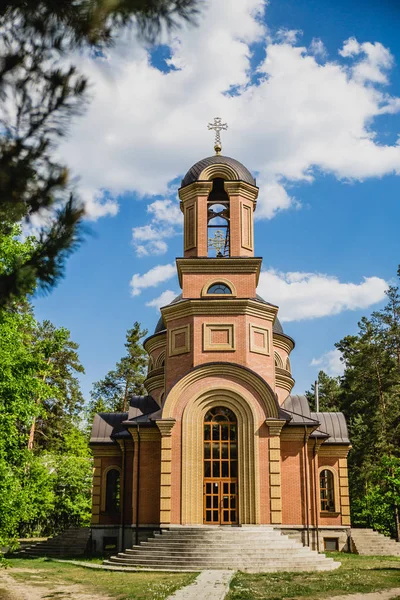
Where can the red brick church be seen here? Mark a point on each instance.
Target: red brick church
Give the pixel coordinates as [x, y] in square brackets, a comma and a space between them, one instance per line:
[219, 440]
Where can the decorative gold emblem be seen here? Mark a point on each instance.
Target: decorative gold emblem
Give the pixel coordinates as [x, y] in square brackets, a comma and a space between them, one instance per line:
[218, 241]
[218, 126]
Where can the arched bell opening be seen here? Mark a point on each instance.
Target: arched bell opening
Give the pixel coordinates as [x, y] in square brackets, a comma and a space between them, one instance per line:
[220, 463]
[218, 221]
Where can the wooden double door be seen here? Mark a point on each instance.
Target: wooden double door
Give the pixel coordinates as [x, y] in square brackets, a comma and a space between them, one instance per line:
[220, 467]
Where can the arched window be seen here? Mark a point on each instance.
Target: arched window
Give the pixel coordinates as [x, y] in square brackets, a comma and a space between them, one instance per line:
[218, 220]
[288, 367]
[219, 288]
[278, 360]
[113, 491]
[160, 362]
[327, 490]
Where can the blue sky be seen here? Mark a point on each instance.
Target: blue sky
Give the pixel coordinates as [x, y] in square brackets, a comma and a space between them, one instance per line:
[319, 128]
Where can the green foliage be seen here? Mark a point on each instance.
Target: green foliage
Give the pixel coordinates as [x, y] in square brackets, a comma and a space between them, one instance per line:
[328, 392]
[368, 394]
[112, 393]
[44, 485]
[39, 98]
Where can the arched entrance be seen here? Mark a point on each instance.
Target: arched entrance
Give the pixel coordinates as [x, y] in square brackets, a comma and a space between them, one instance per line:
[220, 464]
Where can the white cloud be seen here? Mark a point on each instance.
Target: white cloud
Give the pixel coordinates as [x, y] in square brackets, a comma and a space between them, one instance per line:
[288, 36]
[152, 278]
[311, 295]
[162, 300]
[317, 48]
[330, 362]
[166, 222]
[165, 211]
[145, 127]
[375, 61]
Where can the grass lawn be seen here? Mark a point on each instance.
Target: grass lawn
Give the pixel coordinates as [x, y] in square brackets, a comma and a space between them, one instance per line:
[358, 574]
[122, 586]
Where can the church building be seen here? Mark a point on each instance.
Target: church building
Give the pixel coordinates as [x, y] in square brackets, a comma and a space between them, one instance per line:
[219, 440]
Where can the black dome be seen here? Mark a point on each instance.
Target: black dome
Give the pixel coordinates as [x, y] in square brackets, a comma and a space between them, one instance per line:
[194, 172]
[277, 328]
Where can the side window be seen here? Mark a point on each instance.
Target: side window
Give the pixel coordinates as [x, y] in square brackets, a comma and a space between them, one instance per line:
[327, 490]
[113, 491]
[219, 288]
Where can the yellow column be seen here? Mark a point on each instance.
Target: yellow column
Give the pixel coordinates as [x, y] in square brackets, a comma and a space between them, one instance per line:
[165, 426]
[96, 490]
[344, 491]
[275, 489]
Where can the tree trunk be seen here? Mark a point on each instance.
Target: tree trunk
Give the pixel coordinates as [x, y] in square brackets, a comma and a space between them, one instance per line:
[125, 395]
[397, 522]
[33, 426]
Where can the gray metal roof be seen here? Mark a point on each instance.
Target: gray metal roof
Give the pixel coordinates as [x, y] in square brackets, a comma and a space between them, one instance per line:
[194, 172]
[109, 426]
[277, 327]
[334, 423]
[141, 405]
[298, 405]
[105, 425]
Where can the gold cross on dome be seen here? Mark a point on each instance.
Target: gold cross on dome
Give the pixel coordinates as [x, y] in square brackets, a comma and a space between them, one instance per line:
[218, 242]
[217, 126]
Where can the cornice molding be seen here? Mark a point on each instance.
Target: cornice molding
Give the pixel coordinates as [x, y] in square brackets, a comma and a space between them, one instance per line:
[283, 379]
[154, 382]
[220, 307]
[335, 450]
[195, 189]
[155, 372]
[242, 189]
[212, 266]
[283, 341]
[157, 340]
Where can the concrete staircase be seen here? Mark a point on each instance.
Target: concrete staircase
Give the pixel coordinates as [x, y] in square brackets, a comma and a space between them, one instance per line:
[71, 542]
[252, 549]
[371, 543]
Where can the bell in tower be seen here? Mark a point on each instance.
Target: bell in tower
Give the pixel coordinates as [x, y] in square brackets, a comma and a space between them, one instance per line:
[218, 197]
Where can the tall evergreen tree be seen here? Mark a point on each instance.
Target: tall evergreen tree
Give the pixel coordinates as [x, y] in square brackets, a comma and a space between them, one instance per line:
[62, 364]
[112, 393]
[328, 393]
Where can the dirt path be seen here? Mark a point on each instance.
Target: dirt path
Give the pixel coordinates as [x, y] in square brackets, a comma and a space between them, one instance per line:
[11, 589]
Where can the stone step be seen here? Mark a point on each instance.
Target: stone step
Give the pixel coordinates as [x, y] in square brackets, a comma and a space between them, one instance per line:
[272, 535]
[258, 549]
[221, 560]
[215, 552]
[239, 556]
[266, 567]
[206, 543]
[254, 569]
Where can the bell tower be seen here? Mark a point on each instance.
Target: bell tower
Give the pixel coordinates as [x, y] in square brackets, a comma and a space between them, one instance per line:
[218, 198]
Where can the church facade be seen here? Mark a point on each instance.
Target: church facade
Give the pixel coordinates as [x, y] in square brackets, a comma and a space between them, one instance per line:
[219, 439]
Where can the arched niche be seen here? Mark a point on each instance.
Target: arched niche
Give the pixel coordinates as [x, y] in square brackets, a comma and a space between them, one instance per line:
[192, 455]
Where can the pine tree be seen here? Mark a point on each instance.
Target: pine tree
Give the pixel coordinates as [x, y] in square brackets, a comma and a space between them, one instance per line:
[112, 393]
[328, 392]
